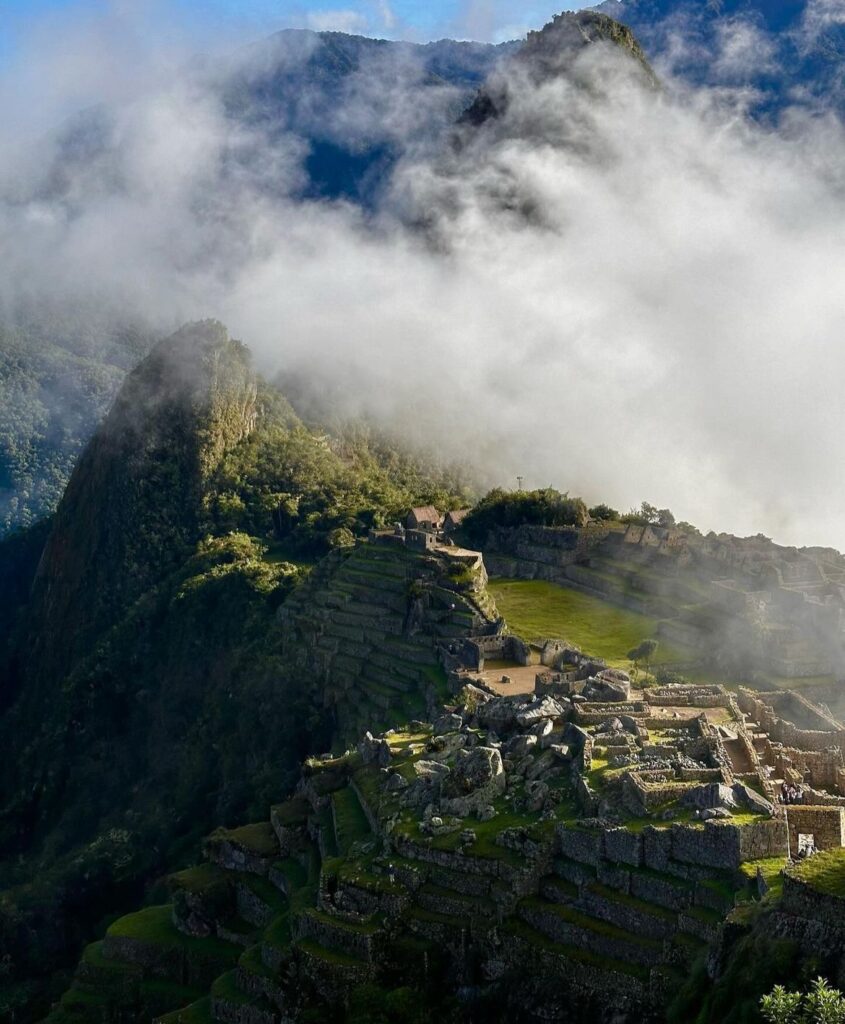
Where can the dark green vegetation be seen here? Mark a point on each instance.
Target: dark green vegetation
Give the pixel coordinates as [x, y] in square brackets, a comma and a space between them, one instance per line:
[507, 509]
[58, 376]
[147, 697]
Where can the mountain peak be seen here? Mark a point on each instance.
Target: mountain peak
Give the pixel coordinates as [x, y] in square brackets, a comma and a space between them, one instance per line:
[134, 501]
[552, 53]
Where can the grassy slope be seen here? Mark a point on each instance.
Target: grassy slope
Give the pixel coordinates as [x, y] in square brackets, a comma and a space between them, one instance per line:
[536, 609]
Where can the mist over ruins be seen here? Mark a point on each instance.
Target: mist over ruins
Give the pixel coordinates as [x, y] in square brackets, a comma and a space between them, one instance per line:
[421, 595]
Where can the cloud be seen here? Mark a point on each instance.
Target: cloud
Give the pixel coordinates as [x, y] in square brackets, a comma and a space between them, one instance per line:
[625, 293]
[351, 21]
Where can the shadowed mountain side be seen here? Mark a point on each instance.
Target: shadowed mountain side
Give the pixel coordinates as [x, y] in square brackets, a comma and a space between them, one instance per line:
[132, 507]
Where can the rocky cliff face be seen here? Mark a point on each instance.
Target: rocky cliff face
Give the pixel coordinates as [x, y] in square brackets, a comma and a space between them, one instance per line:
[557, 50]
[133, 507]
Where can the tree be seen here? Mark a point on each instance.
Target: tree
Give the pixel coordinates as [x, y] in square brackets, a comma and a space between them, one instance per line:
[821, 1005]
[603, 513]
[644, 651]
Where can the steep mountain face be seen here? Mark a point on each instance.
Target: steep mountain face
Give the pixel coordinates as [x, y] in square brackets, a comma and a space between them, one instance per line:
[786, 51]
[553, 52]
[132, 508]
[147, 656]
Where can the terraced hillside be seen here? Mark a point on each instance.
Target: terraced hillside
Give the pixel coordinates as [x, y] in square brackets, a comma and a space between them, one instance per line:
[367, 626]
[437, 857]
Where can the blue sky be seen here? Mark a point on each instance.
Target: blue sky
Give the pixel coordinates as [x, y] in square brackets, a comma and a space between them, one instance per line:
[492, 20]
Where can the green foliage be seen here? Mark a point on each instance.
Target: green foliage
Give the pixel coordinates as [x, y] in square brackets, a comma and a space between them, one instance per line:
[603, 513]
[314, 492]
[821, 1005]
[644, 651]
[649, 515]
[57, 379]
[506, 509]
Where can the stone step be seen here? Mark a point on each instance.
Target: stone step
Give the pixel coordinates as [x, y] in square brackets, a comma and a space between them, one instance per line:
[150, 940]
[571, 927]
[258, 981]
[452, 904]
[627, 912]
[558, 890]
[230, 1005]
[447, 929]
[258, 901]
[457, 881]
[353, 939]
[250, 848]
[610, 972]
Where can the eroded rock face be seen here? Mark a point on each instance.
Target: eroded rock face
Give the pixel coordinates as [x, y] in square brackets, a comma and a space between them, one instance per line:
[611, 686]
[548, 707]
[477, 778]
[374, 751]
[711, 795]
[747, 797]
[474, 770]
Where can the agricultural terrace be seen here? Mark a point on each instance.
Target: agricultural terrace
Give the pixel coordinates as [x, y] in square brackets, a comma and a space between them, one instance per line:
[535, 609]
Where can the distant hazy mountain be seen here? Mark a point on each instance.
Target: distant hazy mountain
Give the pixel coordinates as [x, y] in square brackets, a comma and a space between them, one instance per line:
[789, 51]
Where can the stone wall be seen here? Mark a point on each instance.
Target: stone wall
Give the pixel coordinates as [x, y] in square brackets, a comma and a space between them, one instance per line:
[825, 824]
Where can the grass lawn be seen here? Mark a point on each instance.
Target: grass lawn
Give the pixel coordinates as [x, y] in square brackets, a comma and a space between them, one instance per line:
[351, 823]
[535, 609]
[825, 872]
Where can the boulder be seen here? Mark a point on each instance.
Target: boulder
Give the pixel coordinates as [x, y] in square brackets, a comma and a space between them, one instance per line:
[542, 728]
[475, 781]
[499, 713]
[541, 765]
[396, 782]
[709, 813]
[604, 688]
[447, 723]
[576, 737]
[546, 707]
[519, 746]
[374, 751]
[708, 796]
[611, 725]
[474, 770]
[747, 797]
[487, 813]
[536, 793]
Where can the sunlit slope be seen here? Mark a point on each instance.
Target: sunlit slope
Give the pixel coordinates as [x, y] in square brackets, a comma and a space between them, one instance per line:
[535, 609]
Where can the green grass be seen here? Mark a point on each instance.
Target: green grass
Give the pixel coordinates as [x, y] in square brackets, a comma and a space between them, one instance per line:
[824, 872]
[155, 925]
[536, 609]
[197, 1013]
[226, 987]
[259, 838]
[292, 812]
[351, 823]
[332, 956]
[295, 874]
[197, 879]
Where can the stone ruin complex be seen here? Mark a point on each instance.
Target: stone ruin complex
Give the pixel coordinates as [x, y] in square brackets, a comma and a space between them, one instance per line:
[573, 849]
[746, 601]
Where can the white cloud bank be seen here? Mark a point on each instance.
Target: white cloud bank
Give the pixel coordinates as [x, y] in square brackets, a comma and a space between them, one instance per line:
[623, 293]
